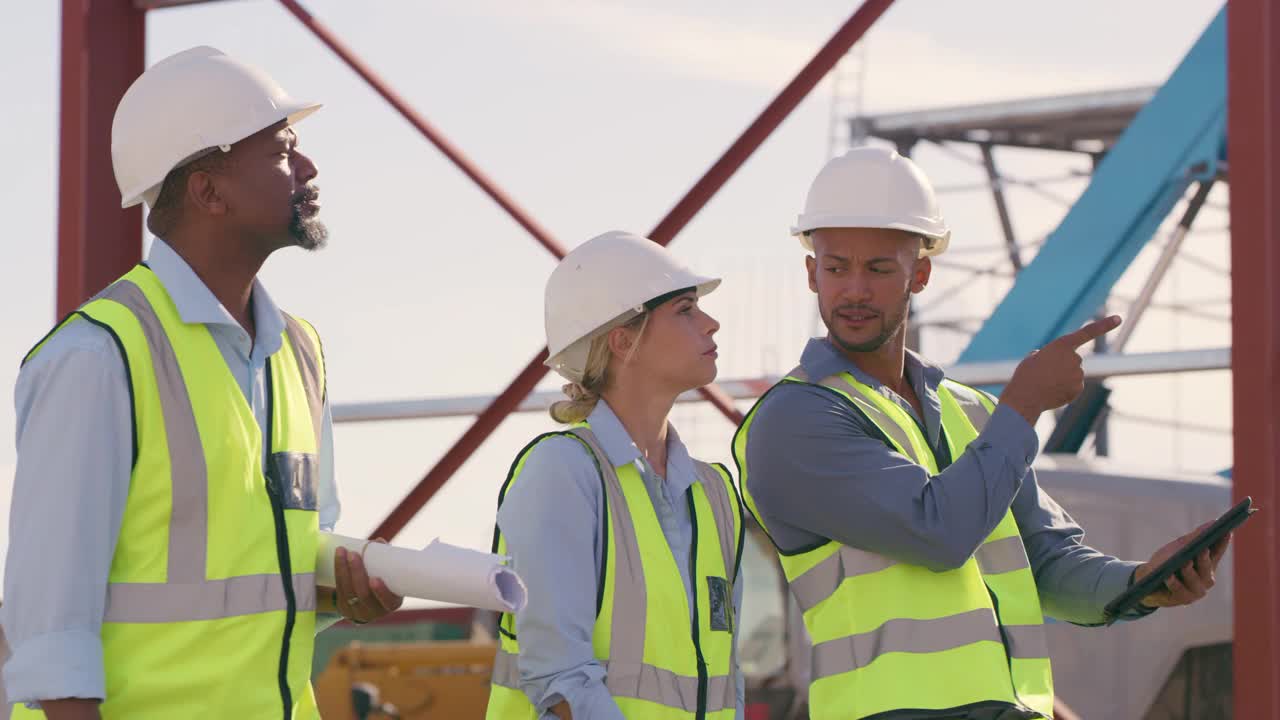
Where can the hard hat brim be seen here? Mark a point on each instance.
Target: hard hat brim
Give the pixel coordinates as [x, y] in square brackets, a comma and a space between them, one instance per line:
[292, 113]
[940, 237]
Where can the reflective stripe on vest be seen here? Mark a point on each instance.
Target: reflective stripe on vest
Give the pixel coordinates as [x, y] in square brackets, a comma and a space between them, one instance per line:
[846, 654]
[870, 615]
[188, 596]
[628, 675]
[187, 473]
[822, 580]
[891, 428]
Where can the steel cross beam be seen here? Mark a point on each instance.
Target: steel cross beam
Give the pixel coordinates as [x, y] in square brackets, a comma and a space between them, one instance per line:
[1176, 139]
[1253, 117]
[451, 151]
[1002, 208]
[472, 171]
[694, 200]
[528, 378]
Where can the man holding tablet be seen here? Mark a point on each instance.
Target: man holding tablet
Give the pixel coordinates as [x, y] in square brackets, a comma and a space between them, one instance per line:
[914, 537]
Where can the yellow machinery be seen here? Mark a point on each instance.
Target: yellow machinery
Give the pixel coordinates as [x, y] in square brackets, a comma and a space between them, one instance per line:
[446, 679]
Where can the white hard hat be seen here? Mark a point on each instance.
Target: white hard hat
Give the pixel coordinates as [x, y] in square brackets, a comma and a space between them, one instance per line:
[188, 102]
[874, 187]
[603, 283]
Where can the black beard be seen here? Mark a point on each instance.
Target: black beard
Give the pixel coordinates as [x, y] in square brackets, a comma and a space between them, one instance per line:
[890, 326]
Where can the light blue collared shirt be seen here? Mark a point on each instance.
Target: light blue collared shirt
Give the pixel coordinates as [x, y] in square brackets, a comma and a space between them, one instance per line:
[74, 438]
[552, 521]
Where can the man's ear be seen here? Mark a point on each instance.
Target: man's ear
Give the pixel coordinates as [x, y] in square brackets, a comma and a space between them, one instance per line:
[203, 193]
[920, 274]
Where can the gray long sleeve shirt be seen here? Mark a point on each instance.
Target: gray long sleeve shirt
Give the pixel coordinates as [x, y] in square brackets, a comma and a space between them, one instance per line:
[819, 471]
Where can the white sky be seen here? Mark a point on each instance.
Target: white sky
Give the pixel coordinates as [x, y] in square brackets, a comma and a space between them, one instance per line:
[598, 115]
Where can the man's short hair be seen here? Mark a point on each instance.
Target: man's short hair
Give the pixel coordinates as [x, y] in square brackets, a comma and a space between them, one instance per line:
[164, 216]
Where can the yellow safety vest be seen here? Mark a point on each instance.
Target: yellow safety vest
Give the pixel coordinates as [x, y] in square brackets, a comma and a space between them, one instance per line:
[211, 597]
[657, 666]
[894, 640]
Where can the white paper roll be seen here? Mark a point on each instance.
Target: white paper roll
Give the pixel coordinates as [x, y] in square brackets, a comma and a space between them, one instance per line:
[440, 571]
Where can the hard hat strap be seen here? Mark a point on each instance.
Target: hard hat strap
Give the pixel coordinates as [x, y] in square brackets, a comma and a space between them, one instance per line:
[657, 302]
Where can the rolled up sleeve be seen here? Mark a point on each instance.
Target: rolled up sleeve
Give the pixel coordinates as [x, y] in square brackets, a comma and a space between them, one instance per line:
[550, 518]
[330, 506]
[74, 440]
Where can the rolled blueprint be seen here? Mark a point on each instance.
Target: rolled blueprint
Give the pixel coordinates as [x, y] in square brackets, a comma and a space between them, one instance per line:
[440, 571]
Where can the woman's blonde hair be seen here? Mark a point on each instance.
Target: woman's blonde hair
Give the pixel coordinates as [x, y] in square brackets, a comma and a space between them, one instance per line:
[584, 395]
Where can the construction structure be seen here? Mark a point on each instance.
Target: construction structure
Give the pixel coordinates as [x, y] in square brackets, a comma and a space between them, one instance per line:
[1175, 145]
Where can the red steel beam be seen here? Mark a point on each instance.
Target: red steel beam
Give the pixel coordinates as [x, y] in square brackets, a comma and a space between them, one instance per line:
[163, 4]
[717, 398]
[679, 216]
[1253, 130]
[769, 119]
[528, 379]
[485, 423]
[470, 169]
[103, 51]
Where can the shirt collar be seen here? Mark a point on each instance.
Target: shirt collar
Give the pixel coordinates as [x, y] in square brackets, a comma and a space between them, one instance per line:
[196, 303]
[621, 449]
[821, 359]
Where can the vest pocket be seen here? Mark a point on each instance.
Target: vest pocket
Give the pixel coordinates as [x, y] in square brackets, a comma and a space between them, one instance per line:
[720, 599]
[293, 476]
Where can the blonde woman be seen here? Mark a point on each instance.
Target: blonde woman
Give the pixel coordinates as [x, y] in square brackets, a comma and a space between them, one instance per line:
[629, 546]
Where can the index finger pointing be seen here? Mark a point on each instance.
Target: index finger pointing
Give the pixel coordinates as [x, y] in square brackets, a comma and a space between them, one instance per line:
[1090, 332]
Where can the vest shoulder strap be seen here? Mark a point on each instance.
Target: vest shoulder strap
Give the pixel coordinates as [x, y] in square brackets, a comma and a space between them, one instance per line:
[726, 505]
[309, 354]
[798, 373]
[629, 592]
[976, 405]
[79, 313]
[890, 428]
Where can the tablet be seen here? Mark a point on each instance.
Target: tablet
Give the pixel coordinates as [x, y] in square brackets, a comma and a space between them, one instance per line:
[1229, 521]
